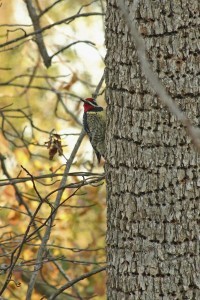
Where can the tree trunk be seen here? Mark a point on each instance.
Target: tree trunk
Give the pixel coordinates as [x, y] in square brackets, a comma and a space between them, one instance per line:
[152, 169]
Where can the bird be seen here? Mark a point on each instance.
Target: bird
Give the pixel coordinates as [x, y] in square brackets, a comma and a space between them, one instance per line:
[94, 123]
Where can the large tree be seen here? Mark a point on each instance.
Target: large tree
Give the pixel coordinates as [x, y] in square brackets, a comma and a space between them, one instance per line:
[152, 167]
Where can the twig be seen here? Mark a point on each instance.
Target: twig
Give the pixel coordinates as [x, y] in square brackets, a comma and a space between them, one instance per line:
[49, 7]
[68, 46]
[1, 108]
[96, 93]
[12, 181]
[14, 25]
[72, 282]
[154, 81]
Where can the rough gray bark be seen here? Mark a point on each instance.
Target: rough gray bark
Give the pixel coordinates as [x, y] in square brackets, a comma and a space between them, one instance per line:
[153, 171]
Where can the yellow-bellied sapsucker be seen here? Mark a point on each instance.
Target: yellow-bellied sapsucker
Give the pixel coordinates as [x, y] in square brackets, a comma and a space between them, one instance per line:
[94, 123]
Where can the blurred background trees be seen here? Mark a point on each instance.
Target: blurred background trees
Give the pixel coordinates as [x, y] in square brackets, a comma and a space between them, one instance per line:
[52, 210]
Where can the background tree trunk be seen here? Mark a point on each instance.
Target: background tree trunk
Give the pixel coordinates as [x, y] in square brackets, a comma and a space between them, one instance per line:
[152, 168]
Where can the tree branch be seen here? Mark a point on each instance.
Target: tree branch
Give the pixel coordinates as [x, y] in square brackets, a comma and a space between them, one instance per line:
[12, 181]
[68, 46]
[71, 283]
[96, 93]
[39, 37]
[49, 7]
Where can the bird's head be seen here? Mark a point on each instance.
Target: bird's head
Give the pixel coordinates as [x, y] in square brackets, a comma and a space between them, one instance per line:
[89, 104]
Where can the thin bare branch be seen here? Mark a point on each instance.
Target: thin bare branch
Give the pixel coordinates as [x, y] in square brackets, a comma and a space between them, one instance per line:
[71, 283]
[96, 93]
[15, 46]
[14, 25]
[12, 181]
[49, 8]
[72, 44]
